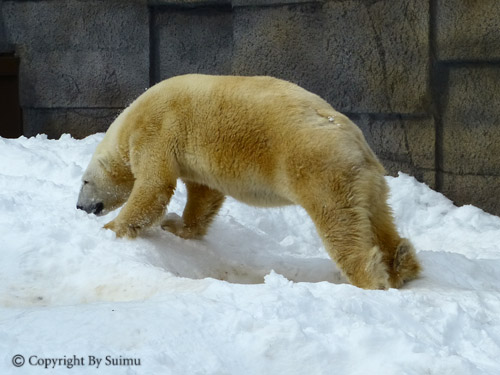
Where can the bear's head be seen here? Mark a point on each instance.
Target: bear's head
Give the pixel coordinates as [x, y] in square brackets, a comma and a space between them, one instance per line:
[106, 185]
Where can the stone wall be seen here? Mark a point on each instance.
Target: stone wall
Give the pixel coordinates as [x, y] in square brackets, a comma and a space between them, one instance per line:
[420, 77]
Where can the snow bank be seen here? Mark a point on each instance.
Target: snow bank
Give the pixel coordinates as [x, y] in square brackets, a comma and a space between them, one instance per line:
[258, 295]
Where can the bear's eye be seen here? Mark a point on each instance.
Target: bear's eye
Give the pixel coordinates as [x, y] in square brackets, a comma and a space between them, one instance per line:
[85, 182]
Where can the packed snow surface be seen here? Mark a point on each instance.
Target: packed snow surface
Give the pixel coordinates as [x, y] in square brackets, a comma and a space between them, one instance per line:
[257, 295]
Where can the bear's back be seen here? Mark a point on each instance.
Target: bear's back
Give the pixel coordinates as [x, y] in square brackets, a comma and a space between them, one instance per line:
[244, 135]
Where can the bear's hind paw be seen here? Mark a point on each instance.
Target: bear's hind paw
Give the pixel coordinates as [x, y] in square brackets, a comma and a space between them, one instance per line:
[174, 224]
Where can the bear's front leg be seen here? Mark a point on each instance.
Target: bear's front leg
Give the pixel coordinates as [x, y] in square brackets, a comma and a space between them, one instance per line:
[145, 206]
[202, 205]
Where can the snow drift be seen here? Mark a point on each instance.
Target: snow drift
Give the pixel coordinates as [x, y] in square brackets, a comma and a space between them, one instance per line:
[258, 295]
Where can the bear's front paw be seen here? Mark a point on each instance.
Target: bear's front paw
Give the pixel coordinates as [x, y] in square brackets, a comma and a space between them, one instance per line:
[122, 230]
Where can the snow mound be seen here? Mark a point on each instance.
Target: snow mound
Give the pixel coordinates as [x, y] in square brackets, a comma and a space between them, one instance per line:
[257, 295]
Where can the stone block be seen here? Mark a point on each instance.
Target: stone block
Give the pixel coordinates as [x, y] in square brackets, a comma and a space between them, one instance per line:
[402, 144]
[5, 47]
[80, 78]
[79, 25]
[378, 54]
[79, 53]
[188, 3]
[471, 121]
[194, 41]
[79, 122]
[255, 3]
[467, 30]
[283, 42]
[361, 56]
[480, 191]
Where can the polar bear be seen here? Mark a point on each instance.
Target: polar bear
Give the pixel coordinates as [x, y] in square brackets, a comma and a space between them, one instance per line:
[264, 141]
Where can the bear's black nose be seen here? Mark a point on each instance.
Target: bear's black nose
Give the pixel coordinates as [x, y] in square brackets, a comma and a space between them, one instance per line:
[78, 207]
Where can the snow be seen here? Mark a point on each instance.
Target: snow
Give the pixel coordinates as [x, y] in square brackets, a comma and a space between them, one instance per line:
[258, 295]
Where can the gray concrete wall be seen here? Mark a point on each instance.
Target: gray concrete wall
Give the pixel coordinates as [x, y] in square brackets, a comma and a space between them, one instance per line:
[419, 77]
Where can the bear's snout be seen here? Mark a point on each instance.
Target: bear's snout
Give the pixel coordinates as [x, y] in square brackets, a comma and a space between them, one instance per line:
[95, 208]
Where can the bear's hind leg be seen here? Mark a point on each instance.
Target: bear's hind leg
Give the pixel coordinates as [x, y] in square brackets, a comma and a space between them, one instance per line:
[398, 253]
[202, 205]
[338, 204]
[347, 236]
